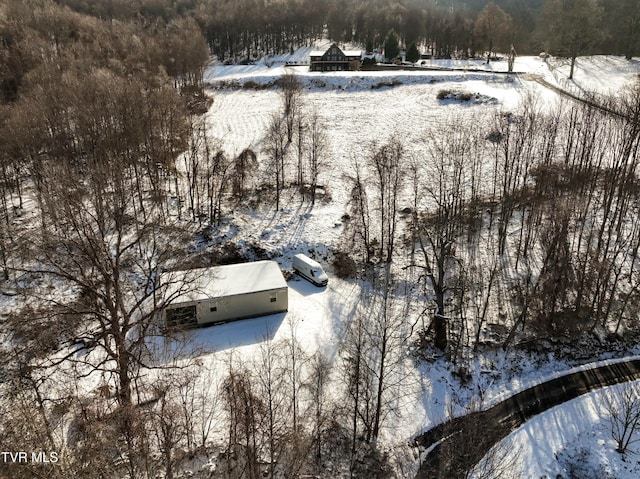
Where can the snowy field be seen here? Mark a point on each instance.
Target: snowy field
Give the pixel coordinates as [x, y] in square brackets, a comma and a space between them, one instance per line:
[358, 115]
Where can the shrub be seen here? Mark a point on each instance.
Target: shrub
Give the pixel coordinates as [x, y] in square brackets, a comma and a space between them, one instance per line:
[454, 95]
[383, 84]
[315, 82]
[253, 85]
[495, 136]
[444, 94]
[231, 84]
[343, 265]
[368, 61]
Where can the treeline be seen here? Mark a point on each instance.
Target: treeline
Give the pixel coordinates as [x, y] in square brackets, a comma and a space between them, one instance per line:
[75, 89]
[92, 114]
[36, 36]
[245, 30]
[250, 29]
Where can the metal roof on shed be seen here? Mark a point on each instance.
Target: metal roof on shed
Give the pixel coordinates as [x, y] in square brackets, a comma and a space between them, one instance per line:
[220, 281]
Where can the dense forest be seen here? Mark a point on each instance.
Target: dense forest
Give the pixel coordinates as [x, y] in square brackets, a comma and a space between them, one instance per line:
[108, 176]
[249, 29]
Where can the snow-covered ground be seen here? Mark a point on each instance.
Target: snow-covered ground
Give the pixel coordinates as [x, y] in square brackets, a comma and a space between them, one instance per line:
[311, 318]
[359, 114]
[356, 116]
[601, 74]
[574, 440]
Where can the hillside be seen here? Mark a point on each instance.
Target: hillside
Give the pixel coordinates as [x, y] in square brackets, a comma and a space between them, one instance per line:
[478, 229]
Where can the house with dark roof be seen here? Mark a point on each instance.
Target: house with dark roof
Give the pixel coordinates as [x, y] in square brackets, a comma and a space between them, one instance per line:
[335, 59]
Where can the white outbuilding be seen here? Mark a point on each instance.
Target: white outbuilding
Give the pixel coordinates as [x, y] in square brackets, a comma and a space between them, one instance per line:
[224, 293]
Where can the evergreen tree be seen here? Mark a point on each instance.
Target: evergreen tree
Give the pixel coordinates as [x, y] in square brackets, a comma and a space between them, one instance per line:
[413, 55]
[391, 45]
[369, 45]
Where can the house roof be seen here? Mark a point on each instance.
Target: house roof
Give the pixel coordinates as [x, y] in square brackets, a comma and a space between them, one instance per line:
[221, 281]
[348, 53]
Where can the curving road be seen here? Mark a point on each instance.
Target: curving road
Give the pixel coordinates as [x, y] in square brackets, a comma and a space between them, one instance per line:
[463, 441]
[587, 100]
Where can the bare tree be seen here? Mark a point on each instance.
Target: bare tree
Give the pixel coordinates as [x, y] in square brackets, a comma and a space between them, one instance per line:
[295, 362]
[318, 387]
[622, 412]
[387, 165]
[476, 448]
[390, 334]
[437, 245]
[103, 238]
[271, 386]
[372, 357]
[120, 301]
[245, 163]
[317, 149]
[11, 197]
[28, 403]
[358, 377]
[207, 171]
[185, 55]
[244, 409]
[483, 272]
[201, 402]
[291, 95]
[494, 26]
[276, 148]
[301, 140]
[167, 425]
[360, 219]
[4, 245]
[298, 442]
[97, 134]
[193, 166]
[572, 28]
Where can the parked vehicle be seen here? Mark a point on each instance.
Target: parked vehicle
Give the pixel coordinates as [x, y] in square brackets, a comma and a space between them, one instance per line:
[310, 270]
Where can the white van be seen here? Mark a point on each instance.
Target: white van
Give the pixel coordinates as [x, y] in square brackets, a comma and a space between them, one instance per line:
[310, 270]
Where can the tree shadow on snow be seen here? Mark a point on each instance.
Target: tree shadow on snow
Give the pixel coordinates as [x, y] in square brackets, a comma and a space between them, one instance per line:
[195, 342]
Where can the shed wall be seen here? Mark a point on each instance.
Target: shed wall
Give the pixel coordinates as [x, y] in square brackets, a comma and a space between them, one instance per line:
[250, 305]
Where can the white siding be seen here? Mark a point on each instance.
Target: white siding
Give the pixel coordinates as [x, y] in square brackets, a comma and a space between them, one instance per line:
[225, 293]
